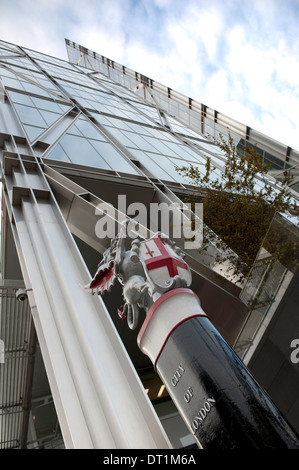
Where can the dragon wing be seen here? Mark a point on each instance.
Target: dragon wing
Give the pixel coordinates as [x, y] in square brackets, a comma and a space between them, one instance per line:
[103, 279]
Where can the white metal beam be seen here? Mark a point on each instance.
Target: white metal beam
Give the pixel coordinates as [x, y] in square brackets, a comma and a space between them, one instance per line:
[98, 396]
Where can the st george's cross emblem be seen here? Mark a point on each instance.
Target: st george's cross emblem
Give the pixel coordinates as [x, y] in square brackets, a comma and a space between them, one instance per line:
[161, 263]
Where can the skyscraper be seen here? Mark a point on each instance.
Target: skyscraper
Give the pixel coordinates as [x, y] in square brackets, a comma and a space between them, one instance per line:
[78, 138]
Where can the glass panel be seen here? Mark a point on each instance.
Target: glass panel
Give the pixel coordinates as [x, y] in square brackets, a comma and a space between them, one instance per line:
[170, 166]
[33, 132]
[199, 156]
[121, 137]
[35, 89]
[58, 154]
[295, 187]
[45, 58]
[161, 146]
[89, 130]
[276, 163]
[151, 166]
[30, 115]
[185, 179]
[73, 130]
[267, 282]
[80, 151]
[158, 134]
[11, 82]
[48, 84]
[208, 147]
[9, 47]
[21, 62]
[49, 117]
[20, 98]
[149, 111]
[174, 148]
[140, 142]
[88, 104]
[114, 158]
[140, 128]
[119, 124]
[49, 105]
[102, 119]
[115, 111]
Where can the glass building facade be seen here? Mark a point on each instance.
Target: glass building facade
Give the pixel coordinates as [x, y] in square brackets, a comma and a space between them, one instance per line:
[196, 116]
[74, 135]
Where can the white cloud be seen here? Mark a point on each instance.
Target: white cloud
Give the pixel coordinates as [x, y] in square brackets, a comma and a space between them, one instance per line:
[95, 39]
[205, 26]
[217, 89]
[264, 80]
[240, 58]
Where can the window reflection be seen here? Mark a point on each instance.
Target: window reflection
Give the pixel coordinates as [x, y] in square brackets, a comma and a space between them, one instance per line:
[91, 152]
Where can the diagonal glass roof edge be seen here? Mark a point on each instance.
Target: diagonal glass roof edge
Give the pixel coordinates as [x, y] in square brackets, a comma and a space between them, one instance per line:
[185, 105]
[207, 118]
[33, 82]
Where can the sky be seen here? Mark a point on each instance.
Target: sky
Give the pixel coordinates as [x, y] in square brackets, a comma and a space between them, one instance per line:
[239, 57]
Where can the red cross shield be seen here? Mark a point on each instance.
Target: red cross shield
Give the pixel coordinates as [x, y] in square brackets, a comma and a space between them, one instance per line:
[162, 263]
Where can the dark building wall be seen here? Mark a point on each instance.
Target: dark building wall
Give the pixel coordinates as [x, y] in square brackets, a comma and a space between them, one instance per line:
[271, 363]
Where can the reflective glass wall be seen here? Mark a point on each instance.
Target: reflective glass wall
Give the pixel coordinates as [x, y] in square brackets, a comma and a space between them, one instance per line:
[271, 274]
[87, 119]
[195, 115]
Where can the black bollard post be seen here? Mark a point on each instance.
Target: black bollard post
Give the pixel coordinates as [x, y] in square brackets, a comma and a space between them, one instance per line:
[221, 403]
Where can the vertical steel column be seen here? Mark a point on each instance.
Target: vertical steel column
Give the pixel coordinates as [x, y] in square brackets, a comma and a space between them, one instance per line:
[98, 396]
